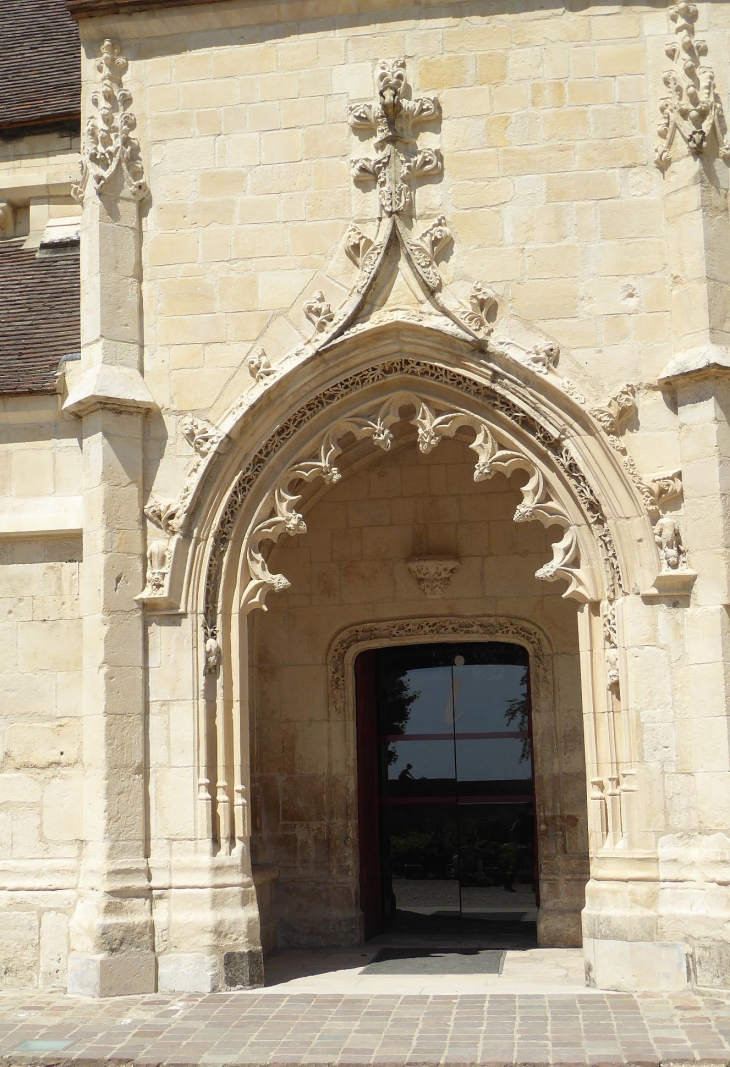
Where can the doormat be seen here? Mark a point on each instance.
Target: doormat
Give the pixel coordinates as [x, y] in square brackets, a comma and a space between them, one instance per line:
[428, 960]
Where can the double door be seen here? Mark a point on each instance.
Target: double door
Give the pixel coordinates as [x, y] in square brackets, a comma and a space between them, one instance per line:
[446, 784]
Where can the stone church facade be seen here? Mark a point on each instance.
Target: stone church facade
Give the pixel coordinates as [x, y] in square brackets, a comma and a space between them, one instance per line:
[399, 325]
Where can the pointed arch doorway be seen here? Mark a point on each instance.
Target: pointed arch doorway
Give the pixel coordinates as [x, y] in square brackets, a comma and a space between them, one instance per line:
[446, 791]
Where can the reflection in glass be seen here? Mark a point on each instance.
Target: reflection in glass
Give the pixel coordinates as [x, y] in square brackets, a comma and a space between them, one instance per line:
[411, 761]
[457, 813]
[494, 760]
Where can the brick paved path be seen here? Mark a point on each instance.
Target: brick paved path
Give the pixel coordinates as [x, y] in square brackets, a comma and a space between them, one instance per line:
[247, 1028]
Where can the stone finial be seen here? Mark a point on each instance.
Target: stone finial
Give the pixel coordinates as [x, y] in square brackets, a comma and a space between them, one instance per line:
[693, 108]
[108, 147]
[392, 118]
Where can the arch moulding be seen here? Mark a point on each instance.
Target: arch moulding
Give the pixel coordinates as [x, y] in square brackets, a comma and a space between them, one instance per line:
[353, 640]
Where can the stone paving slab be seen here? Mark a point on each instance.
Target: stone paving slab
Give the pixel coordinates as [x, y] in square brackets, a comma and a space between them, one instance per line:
[387, 1031]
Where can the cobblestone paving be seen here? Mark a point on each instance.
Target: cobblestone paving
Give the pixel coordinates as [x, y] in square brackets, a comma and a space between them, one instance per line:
[247, 1028]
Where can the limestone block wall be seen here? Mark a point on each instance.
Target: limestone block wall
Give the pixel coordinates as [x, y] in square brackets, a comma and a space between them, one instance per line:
[547, 136]
[351, 567]
[40, 681]
[36, 174]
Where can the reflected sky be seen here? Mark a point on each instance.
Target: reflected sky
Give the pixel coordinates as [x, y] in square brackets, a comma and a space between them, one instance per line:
[477, 761]
[479, 701]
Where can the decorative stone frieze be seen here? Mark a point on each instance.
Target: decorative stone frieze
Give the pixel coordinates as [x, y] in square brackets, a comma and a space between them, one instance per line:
[433, 574]
[611, 646]
[693, 109]
[108, 147]
[392, 118]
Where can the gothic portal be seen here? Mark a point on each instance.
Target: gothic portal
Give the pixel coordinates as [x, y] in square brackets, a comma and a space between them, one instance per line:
[365, 551]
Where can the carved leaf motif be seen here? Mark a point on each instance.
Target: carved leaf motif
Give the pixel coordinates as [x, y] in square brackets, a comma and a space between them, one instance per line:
[108, 145]
[278, 514]
[200, 434]
[433, 574]
[423, 260]
[616, 410]
[392, 119]
[319, 312]
[483, 302]
[693, 108]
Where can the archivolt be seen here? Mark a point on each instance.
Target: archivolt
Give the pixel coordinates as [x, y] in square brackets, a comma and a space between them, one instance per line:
[277, 512]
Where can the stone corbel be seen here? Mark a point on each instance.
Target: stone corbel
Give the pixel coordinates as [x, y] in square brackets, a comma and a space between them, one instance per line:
[433, 574]
[106, 385]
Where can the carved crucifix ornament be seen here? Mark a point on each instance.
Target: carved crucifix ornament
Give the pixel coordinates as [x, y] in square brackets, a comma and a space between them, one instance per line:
[693, 108]
[399, 164]
[108, 147]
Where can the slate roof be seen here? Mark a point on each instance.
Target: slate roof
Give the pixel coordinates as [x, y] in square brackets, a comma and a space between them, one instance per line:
[39, 315]
[40, 64]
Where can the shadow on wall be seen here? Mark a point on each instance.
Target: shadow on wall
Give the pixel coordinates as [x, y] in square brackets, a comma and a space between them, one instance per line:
[267, 31]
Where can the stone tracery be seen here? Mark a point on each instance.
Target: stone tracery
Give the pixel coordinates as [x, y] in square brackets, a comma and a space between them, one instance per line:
[558, 450]
[431, 427]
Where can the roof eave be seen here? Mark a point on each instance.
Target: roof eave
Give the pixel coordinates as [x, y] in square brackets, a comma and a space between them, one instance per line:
[83, 9]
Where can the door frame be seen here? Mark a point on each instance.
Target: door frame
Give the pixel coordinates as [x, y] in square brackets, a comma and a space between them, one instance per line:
[368, 776]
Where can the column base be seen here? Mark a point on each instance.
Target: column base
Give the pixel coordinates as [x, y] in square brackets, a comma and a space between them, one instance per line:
[188, 972]
[636, 966]
[111, 976]
[244, 969]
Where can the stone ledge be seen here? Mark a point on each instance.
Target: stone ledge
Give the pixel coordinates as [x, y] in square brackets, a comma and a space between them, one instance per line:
[112, 387]
[704, 360]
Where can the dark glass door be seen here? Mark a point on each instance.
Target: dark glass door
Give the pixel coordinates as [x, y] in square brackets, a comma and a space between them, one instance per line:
[446, 759]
